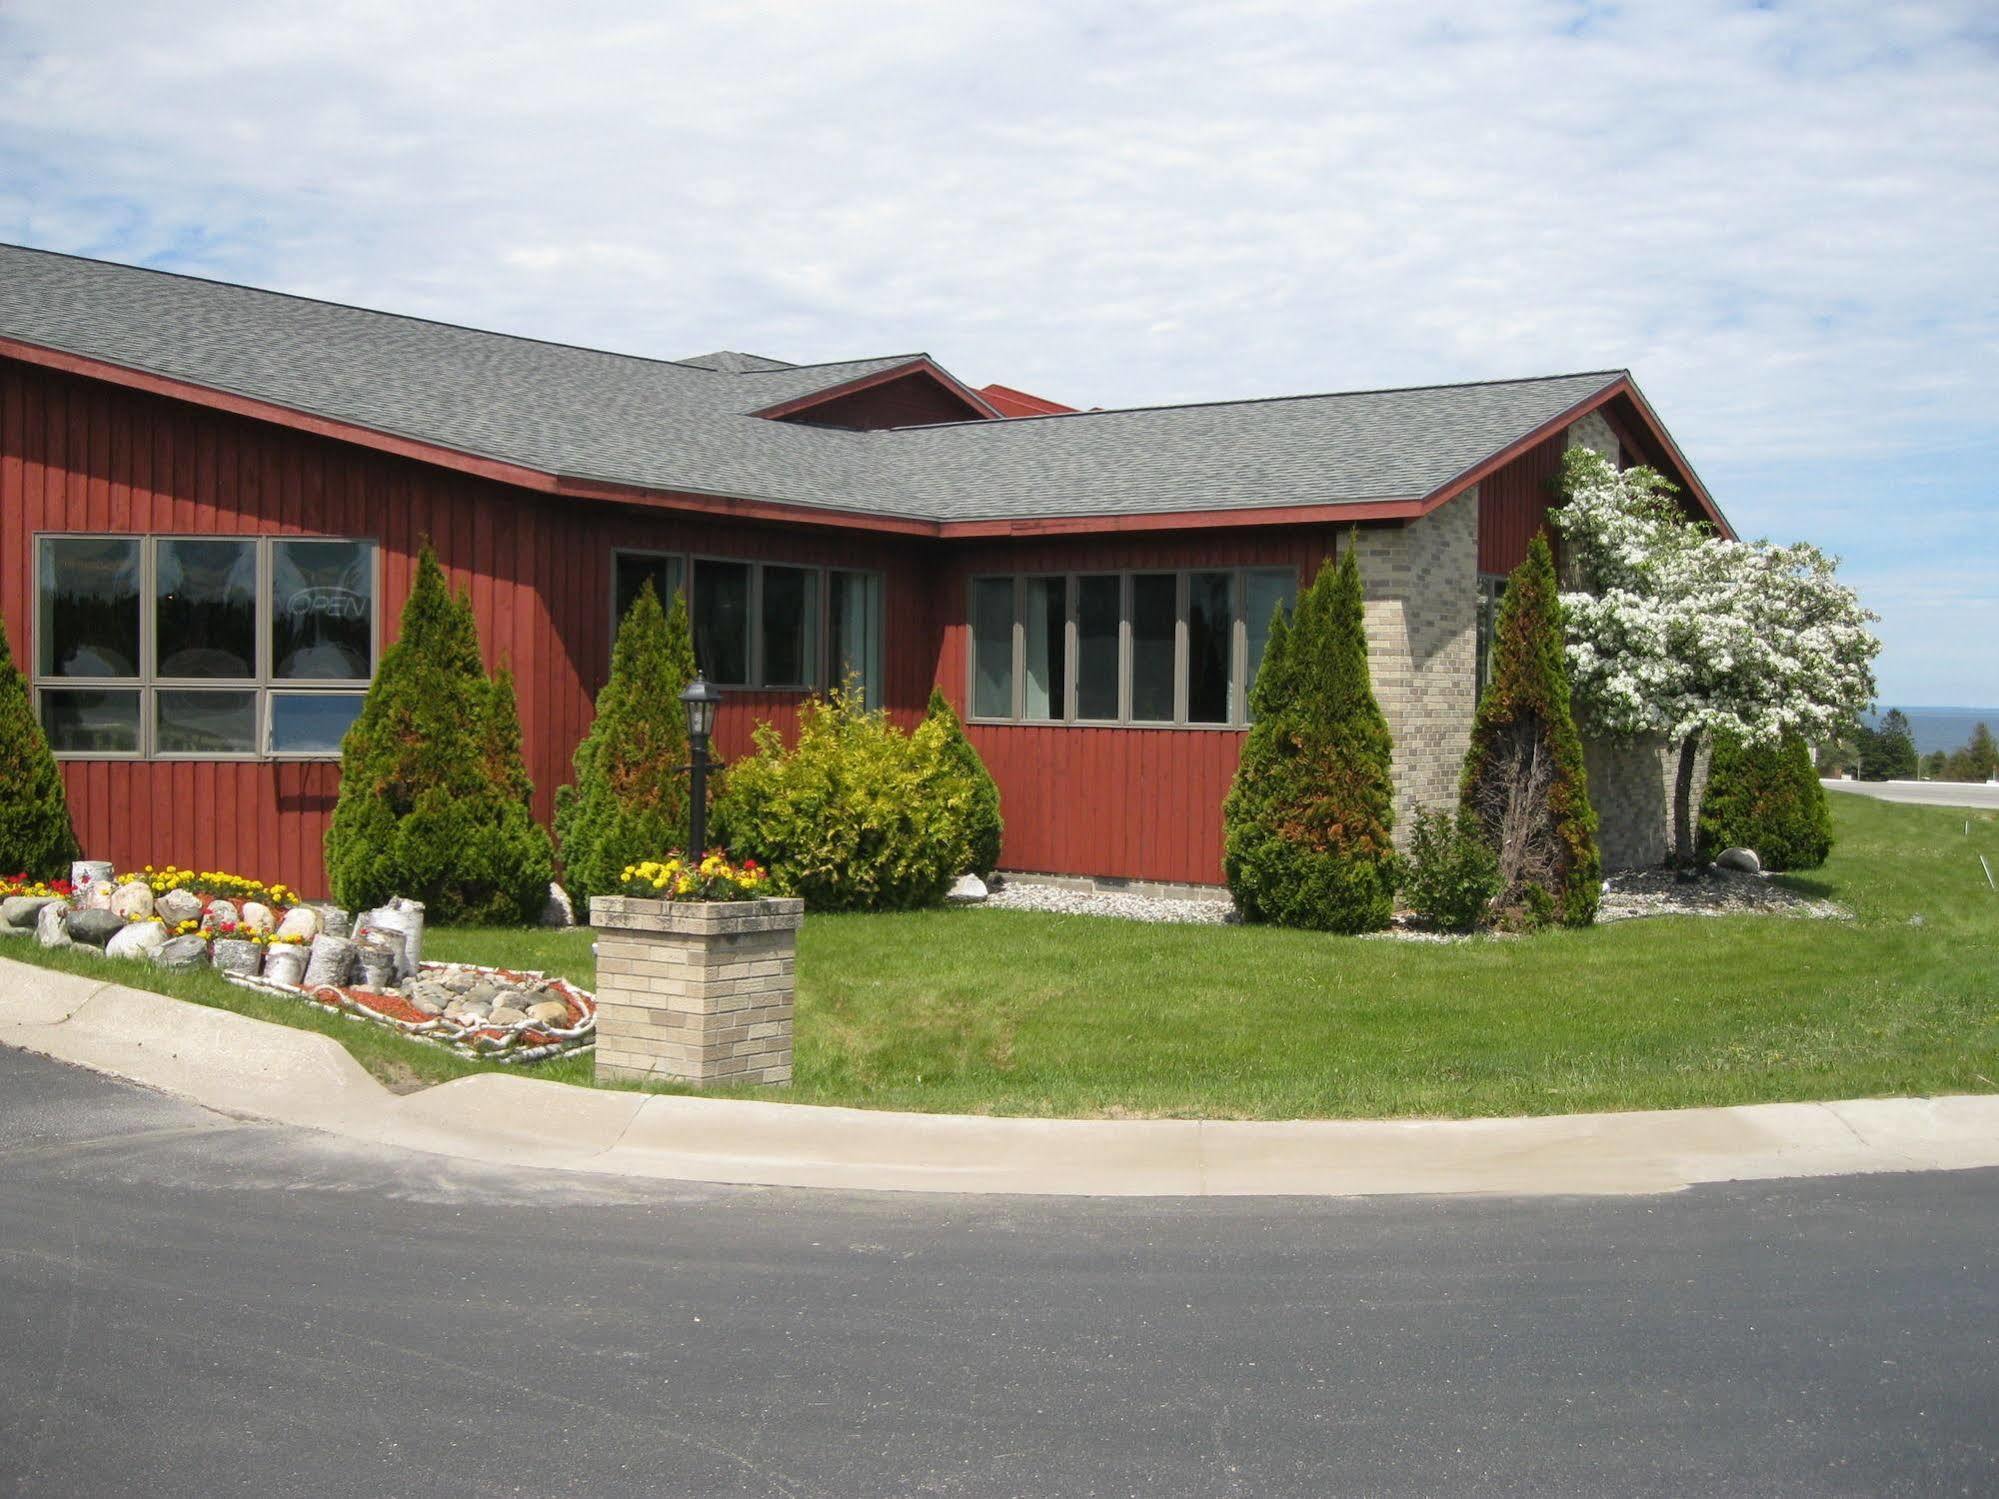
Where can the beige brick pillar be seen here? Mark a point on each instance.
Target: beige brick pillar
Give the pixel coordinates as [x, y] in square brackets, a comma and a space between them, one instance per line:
[695, 991]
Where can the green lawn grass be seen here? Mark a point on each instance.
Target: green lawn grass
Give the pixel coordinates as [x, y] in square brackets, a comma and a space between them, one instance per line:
[1008, 1012]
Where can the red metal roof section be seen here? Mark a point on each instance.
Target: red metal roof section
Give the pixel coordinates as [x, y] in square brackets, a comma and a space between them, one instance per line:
[1010, 402]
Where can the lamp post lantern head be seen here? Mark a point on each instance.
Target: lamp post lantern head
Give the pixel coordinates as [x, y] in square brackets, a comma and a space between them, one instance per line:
[699, 698]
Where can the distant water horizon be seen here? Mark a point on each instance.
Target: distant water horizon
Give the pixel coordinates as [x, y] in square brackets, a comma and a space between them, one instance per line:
[1941, 727]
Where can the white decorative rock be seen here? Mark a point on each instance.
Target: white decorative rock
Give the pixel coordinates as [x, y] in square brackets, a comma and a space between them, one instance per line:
[302, 921]
[223, 913]
[25, 910]
[52, 925]
[1743, 859]
[140, 939]
[132, 900]
[549, 1012]
[182, 952]
[97, 897]
[558, 910]
[966, 890]
[177, 906]
[258, 918]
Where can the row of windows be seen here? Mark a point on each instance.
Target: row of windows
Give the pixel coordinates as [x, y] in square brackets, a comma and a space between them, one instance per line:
[762, 624]
[1143, 647]
[202, 647]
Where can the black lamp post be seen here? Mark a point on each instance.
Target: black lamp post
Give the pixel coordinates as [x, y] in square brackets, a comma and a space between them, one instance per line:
[699, 699]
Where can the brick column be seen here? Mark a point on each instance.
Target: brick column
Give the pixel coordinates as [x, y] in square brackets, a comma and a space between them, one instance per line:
[695, 991]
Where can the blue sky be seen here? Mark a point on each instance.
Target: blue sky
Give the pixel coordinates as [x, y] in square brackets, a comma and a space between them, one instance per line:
[1782, 218]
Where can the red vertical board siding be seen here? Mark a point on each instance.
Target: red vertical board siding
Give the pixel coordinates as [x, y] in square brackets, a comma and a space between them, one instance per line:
[1514, 502]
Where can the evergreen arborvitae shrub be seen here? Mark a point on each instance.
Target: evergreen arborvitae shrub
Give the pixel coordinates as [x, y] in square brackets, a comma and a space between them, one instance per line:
[1767, 797]
[435, 802]
[984, 830]
[1307, 823]
[36, 838]
[629, 799]
[1524, 778]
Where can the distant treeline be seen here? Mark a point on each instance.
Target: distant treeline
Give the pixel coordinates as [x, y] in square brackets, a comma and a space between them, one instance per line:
[1887, 752]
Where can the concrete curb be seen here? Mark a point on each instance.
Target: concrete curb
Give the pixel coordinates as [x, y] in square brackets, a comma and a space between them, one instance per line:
[251, 1068]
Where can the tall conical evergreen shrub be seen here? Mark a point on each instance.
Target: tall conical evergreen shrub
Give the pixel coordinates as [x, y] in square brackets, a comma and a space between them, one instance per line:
[629, 799]
[435, 802]
[1307, 823]
[1524, 778]
[36, 838]
[984, 829]
[1766, 797]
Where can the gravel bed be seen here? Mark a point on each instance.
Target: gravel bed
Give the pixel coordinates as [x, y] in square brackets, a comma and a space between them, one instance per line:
[1718, 892]
[1017, 897]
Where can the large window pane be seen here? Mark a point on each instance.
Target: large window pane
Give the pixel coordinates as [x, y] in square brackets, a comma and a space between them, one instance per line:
[854, 612]
[311, 723]
[91, 723]
[722, 621]
[205, 723]
[89, 617]
[1154, 610]
[322, 610]
[790, 627]
[1210, 643]
[205, 609]
[630, 571]
[1263, 595]
[992, 648]
[1099, 605]
[1043, 632]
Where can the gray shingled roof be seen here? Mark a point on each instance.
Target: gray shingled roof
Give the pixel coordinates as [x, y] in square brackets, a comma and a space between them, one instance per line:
[686, 425]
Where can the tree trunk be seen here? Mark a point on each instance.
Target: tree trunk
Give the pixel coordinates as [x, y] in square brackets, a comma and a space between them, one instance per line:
[1683, 805]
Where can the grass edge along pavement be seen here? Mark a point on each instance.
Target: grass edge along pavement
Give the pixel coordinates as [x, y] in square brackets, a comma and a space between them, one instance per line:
[1018, 1013]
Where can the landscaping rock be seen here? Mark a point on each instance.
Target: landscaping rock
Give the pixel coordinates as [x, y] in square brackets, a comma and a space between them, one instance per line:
[97, 898]
[462, 982]
[967, 890]
[331, 961]
[25, 910]
[132, 900]
[482, 991]
[284, 964]
[140, 939]
[467, 1010]
[223, 913]
[177, 906]
[549, 1012]
[94, 927]
[181, 952]
[15, 931]
[238, 955]
[507, 1015]
[1743, 859]
[558, 909]
[257, 917]
[431, 998]
[302, 921]
[52, 925]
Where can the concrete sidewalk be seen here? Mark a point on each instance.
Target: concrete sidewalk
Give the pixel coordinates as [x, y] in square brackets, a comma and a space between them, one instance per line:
[249, 1068]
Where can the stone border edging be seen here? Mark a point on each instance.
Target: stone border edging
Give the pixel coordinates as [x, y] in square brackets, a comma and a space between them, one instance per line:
[239, 1066]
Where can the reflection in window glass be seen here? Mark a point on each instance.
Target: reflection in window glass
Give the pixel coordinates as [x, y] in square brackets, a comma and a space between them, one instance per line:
[88, 624]
[722, 621]
[322, 607]
[1263, 595]
[1099, 603]
[992, 648]
[631, 571]
[205, 723]
[1043, 635]
[853, 611]
[205, 609]
[1210, 643]
[790, 626]
[1154, 610]
[311, 723]
[91, 723]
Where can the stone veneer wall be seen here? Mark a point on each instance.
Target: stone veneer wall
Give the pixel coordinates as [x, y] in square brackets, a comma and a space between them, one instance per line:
[1421, 583]
[1631, 787]
[1593, 431]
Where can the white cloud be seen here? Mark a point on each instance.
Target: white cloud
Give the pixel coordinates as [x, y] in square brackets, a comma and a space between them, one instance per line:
[1780, 217]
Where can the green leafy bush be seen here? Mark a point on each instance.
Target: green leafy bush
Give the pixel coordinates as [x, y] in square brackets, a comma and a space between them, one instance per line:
[36, 838]
[1306, 823]
[1450, 874]
[856, 816]
[1524, 779]
[629, 800]
[984, 830]
[1766, 797]
[435, 801]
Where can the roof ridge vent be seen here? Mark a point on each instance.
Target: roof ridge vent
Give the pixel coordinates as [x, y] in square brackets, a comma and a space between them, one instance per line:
[733, 362]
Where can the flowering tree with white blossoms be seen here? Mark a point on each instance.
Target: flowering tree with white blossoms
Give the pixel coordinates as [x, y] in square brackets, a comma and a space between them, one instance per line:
[1680, 633]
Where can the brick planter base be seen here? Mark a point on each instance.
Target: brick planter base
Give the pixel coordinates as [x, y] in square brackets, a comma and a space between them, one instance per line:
[695, 991]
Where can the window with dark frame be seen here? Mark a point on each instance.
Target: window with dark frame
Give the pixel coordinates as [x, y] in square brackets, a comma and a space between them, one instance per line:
[1491, 589]
[1162, 648]
[183, 647]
